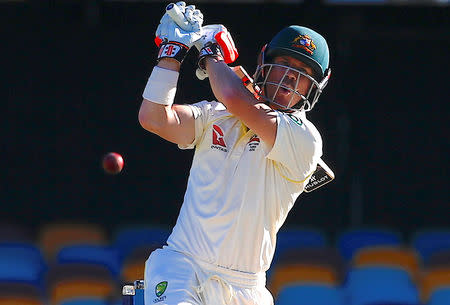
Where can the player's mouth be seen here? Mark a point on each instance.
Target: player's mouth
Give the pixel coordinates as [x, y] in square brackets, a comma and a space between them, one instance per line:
[284, 91]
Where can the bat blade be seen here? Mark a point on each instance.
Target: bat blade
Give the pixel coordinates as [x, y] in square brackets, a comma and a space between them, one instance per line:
[321, 176]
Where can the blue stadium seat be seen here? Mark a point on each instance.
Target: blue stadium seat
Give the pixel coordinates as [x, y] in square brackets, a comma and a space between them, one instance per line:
[440, 297]
[21, 262]
[377, 285]
[117, 302]
[352, 240]
[310, 294]
[296, 238]
[128, 238]
[429, 242]
[393, 303]
[93, 254]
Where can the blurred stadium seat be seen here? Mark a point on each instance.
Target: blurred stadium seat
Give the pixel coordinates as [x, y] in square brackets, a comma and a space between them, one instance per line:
[85, 301]
[20, 301]
[57, 273]
[433, 280]
[348, 242]
[91, 254]
[290, 238]
[290, 274]
[129, 237]
[53, 237]
[296, 238]
[75, 289]
[388, 256]
[72, 282]
[21, 294]
[322, 256]
[134, 264]
[380, 285]
[439, 259]
[21, 262]
[308, 294]
[431, 241]
[440, 297]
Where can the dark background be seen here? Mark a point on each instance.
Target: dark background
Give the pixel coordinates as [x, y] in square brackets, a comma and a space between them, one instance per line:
[72, 74]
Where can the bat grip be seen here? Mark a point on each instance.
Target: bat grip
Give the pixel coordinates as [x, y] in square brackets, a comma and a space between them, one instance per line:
[177, 16]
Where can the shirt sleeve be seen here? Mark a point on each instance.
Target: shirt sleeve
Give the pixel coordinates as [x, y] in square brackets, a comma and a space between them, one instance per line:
[297, 147]
[201, 112]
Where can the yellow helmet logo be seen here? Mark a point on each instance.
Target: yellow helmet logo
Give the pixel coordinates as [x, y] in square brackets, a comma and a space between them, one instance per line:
[304, 42]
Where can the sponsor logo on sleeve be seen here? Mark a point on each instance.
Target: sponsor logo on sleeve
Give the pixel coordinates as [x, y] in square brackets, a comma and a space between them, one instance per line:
[160, 288]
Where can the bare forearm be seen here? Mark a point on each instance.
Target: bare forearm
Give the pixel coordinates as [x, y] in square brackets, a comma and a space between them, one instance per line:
[229, 90]
[169, 64]
[226, 86]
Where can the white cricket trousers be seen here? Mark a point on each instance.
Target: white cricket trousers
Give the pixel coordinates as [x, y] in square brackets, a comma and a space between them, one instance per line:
[174, 278]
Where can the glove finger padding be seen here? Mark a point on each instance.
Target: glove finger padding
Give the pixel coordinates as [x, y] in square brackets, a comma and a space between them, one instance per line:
[216, 41]
[172, 40]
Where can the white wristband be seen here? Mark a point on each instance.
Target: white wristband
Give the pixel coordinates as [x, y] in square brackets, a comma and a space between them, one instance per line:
[161, 86]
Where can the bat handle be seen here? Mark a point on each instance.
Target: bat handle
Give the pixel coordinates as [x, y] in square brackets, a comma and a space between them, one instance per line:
[177, 16]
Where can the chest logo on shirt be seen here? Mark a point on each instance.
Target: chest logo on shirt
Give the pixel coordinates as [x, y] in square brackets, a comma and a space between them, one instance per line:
[253, 142]
[297, 120]
[218, 141]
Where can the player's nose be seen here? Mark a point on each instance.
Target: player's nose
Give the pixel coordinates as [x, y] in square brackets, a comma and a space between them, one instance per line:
[292, 74]
[290, 78]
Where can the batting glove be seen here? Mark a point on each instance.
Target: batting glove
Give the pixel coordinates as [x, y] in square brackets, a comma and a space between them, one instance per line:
[217, 42]
[178, 29]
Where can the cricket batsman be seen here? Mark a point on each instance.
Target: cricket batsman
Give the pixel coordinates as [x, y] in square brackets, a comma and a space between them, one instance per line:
[254, 154]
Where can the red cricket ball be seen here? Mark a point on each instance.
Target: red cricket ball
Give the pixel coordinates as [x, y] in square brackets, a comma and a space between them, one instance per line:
[112, 163]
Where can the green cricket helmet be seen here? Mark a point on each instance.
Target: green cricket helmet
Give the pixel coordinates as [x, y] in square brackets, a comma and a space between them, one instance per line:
[302, 44]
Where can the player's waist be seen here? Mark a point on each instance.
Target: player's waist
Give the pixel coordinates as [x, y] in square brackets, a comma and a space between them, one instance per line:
[233, 277]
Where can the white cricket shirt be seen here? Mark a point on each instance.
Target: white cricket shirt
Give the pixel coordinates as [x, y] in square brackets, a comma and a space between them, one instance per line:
[239, 191]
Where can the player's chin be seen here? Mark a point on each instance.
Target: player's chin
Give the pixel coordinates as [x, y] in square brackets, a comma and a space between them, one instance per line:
[285, 100]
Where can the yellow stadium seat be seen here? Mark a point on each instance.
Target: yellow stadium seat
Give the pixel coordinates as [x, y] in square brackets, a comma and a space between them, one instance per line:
[20, 301]
[67, 281]
[53, 237]
[133, 271]
[404, 258]
[432, 280]
[301, 273]
[75, 288]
